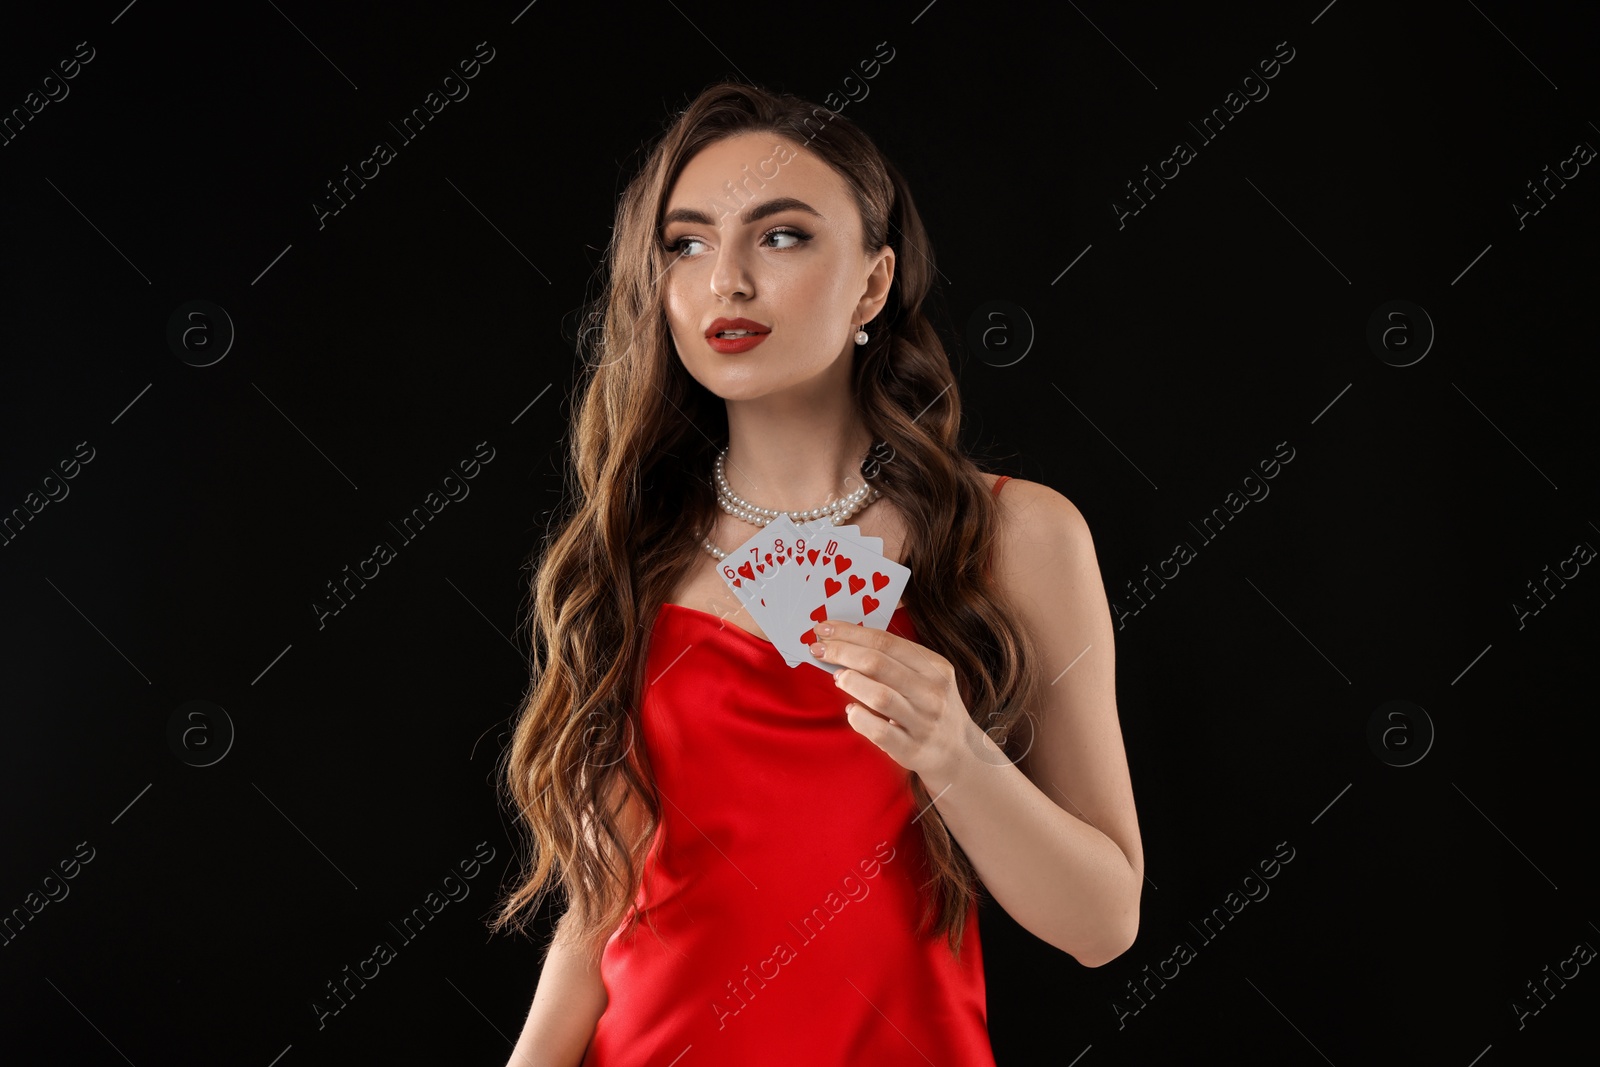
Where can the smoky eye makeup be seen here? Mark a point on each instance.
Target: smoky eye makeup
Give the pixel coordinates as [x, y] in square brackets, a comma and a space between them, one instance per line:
[674, 246]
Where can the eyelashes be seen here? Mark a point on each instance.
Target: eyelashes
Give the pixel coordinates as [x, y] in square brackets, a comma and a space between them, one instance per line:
[800, 238]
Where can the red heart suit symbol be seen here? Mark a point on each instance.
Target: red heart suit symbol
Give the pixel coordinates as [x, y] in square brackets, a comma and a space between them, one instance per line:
[841, 564]
[831, 585]
[856, 584]
[879, 580]
[869, 603]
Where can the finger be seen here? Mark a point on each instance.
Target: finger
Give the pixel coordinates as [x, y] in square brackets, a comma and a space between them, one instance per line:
[914, 656]
[870, 660]
[875, 728]
[885, 700]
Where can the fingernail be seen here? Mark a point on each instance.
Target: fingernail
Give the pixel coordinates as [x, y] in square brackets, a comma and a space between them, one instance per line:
[816, 649]
[824, 630]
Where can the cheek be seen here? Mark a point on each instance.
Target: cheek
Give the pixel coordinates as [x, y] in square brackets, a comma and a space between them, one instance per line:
[680, 314]
[809, 303]
[672, 300]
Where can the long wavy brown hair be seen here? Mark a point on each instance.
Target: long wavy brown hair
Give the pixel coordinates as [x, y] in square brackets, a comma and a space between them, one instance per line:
[643, 436]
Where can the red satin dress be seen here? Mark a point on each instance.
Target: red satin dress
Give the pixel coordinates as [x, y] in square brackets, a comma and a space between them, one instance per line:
[783, 879]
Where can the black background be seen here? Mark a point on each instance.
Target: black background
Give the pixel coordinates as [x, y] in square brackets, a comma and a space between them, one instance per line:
[372, 354]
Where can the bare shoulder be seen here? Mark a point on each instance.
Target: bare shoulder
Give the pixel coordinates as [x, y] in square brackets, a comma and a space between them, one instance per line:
[1040, 531]
[1035, 513]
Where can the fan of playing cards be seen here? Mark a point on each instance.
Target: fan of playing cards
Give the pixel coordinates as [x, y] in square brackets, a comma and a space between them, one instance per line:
[791, 577]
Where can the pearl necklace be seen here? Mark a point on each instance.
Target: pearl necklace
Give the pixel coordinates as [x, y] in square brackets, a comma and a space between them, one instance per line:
[836, 512]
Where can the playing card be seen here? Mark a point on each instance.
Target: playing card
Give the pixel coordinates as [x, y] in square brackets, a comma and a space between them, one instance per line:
[824, 540]
[818, 531]
[805, 548]
[751, 567]
[814, 545]
[790, 577]
[847, 584]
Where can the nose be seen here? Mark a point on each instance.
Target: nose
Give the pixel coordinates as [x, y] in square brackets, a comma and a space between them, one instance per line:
[731, 275]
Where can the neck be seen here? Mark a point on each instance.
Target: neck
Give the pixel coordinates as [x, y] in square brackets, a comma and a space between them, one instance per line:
[790, 453]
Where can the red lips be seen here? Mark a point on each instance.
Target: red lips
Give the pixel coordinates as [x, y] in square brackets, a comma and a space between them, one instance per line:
[732, 345]
[736, 324]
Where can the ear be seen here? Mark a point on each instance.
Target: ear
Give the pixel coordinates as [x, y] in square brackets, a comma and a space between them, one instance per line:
[880, 276]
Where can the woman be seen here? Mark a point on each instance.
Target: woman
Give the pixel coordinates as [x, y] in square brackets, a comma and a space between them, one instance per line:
[774, 864]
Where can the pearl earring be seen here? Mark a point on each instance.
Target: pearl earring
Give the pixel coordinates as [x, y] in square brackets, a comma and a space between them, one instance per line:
[861, 336]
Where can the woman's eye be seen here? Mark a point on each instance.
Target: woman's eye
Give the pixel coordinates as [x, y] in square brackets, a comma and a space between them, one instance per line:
[799, 238]
[794, 237]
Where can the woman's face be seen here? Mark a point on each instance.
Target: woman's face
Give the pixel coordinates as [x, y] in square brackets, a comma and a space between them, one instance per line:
[758, 228]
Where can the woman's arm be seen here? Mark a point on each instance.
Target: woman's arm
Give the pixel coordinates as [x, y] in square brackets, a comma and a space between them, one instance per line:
[566, 1006]
[1071, 878]
[1055, 838]
[571, 997]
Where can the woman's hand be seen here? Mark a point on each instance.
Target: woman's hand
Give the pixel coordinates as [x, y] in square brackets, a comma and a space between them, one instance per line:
[905, 698]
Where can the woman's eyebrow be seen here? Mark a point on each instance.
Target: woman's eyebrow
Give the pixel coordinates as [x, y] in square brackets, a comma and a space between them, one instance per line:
[751, 214]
